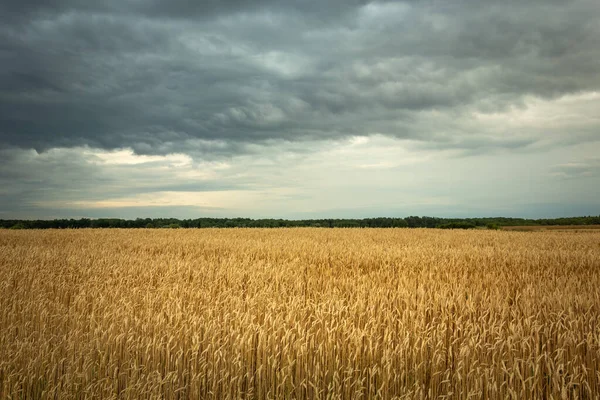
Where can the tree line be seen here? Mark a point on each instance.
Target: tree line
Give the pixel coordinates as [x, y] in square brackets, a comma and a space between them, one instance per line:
[408, 222]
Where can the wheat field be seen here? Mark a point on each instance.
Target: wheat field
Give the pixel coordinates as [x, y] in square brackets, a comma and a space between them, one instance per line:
[299, 314]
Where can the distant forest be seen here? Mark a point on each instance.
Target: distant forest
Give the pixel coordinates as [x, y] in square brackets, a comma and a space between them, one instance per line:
[408, 222]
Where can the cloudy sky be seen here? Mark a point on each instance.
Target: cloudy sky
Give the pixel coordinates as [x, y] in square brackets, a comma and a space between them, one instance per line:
[299, 108]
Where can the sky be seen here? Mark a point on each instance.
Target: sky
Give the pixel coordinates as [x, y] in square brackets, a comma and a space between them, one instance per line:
[299, 108]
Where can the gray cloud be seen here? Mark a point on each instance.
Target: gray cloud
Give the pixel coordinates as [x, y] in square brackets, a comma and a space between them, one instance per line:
[161, 77]
[360, 177]
[588, 168]
[74, 175]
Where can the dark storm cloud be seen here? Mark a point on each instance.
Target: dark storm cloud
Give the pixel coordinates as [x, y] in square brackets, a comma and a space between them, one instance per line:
[179, 9]
[214, 77]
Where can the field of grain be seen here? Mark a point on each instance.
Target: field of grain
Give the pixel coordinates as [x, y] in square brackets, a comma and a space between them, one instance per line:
[299, 313]
[529, 228]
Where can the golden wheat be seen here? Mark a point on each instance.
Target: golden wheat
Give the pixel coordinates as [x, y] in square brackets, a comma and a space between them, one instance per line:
[299, 313]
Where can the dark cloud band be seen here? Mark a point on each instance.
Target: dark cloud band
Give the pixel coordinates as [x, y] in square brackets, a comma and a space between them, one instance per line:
[157, 76]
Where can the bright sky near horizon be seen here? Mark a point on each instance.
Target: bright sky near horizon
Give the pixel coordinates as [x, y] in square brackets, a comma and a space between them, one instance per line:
[299, 109]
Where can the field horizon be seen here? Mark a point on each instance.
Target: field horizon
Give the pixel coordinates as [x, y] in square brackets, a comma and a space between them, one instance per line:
[239, 222]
